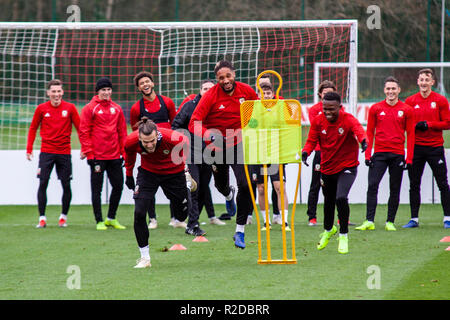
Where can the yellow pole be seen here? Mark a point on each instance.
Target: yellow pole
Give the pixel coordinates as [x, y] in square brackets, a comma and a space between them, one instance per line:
[266, 205]
[283, 225]
[256, 210]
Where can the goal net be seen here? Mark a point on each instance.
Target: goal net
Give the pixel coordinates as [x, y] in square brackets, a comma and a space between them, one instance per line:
[180, 55]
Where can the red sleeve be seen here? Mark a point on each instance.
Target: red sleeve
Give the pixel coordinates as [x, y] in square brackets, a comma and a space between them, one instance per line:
[313, 137]
[122, 131]
[357, 128]
[410, 135]
[171, 108]
[134, 115]
[444, 116]
[130, 153]
[371, 124]
[313, 112]
[200, 113]
[85, 131]
[37, 118]
[75, 118]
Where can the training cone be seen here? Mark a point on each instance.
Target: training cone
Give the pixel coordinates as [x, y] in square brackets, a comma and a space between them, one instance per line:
[200, 239]
[177, 247]
[445, 239]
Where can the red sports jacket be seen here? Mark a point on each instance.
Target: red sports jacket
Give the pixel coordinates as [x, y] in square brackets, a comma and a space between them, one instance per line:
[103, 130]
[56, 127]
[218, 110]
[435, 111]
[338, 144]
[167, 158]
[388, 124]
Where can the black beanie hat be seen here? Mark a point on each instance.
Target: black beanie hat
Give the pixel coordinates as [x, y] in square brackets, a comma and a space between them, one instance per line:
[103, 83]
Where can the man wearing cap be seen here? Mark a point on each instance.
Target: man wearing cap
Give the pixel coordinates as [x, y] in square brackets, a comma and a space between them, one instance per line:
[103, 131]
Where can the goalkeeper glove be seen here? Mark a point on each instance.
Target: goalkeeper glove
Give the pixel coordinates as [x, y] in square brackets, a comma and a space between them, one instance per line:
[369, 163]
[363, 146]
[422, 126]
[305, 158]
[129, 182]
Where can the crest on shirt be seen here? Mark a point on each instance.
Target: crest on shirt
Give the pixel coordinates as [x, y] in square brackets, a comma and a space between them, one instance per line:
[382, 113]
[400, 113]
[64, 113]
[324, 131]
[241, 100]
[113, 110]
[166, 151]
[47, 115]
[433, 105]
[341, 130]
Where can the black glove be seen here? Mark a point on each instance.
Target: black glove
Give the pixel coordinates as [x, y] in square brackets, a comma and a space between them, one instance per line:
[363, 146]
[304, 158]
[129, 182]
[408, 166]
[422, 126]
[369, 163]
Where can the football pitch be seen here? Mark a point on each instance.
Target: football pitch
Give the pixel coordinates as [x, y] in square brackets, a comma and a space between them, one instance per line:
[81, 263]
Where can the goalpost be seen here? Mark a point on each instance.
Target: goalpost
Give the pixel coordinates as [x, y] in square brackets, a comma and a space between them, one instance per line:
[180, 55]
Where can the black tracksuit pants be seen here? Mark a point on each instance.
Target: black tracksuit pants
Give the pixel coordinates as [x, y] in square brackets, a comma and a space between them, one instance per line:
[381, 162]
[435, 157]
[314, 188]
[114, 172]
[336, 188]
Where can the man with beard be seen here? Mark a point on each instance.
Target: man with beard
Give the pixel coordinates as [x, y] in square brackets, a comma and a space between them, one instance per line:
[158, 108]
[217, 120]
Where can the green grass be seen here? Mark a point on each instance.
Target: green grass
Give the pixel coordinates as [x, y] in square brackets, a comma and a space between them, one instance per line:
[413, 263]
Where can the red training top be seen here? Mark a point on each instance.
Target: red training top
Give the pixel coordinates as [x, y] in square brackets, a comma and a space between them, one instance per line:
[389, 124]
[167, 158]
[434, 110]
[152, 107]
[188, 98]
[56, 127]
[313, 112]
[103, 130]
[338, 145]
[218, 110]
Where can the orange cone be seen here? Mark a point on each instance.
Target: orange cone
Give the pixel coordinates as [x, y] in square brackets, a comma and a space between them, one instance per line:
[200, 239]
[177, 247]
[445, 239]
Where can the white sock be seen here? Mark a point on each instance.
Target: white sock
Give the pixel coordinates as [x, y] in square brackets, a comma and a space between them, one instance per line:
[109, 219]
[286, 213]
[263, 214]
[42, 218]
[343, 234]
[446, 218]
[240, 228]
[230, 196]
[145, 252]
[63, 216]
[415, 219]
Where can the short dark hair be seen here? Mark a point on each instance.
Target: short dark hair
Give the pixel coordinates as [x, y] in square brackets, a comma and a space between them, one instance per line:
[207, 81]
[426, 71]
[324, 85]
[142, 74]
[332, 96]
[146, 126]
[266, 86]
[391, 79]
[54, 82]
[223, 64]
